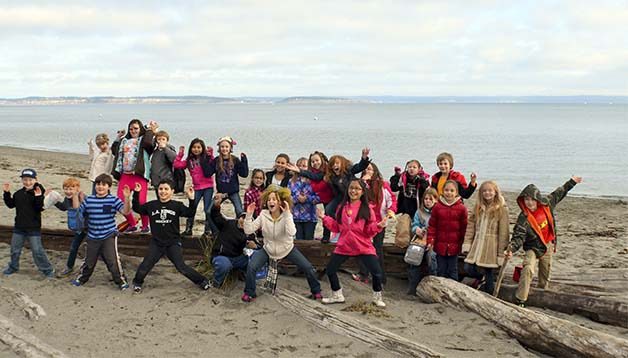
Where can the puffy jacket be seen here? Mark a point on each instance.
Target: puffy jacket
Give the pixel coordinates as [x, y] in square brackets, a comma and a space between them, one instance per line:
[447, 226]
[464, 190]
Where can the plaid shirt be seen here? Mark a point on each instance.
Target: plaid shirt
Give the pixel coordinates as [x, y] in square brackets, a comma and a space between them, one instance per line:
[253, 195]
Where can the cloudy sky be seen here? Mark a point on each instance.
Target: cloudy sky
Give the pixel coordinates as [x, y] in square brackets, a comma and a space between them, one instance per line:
[335, 48]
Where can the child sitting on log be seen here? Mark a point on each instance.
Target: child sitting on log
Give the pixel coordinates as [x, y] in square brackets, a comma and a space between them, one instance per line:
[535, 230]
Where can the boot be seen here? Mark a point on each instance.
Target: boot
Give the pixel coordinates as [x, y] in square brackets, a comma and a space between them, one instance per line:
[188, 228]
[336, 297]
[378, 299]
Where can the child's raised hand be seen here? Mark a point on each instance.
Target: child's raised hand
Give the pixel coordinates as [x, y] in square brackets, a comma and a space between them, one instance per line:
[578, 180]
[365, 152]
[121, 133]
[6, 186]
[285, 207]
[250, 209]
[292, 167]
[81, 196]
[38, 191]
[474, 178]
[210, 151]
[181, 149]
[126, 191]
[397, 170]
[153, 126]
[320, 213]
[190, 192]
[138, 187]
[242, 156]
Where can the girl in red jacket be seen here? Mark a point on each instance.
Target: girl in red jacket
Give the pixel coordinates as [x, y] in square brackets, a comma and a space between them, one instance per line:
[446, 230]
[356, 222]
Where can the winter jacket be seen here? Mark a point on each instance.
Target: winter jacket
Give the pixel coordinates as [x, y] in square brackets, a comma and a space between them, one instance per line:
[142, 164]
[487, 236]
[465, 191]
[524, 234]
[406, 202]
[340, 183]
[320, 186]
[447, 226]
[226, 181]
[284, 182]
[231, 240]
[161, 164]
[101, 162]
[28, 207]
[355, 235]
[278, 234]
[199, 180]
[303, 212]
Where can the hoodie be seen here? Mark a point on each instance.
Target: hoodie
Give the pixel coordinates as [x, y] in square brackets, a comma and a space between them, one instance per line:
[278, 234]
[527, 232]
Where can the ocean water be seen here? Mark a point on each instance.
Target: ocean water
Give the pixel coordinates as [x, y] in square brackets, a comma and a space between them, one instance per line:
[514, 144]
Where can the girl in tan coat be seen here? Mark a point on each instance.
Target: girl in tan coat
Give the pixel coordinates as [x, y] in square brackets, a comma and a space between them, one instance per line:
[487, 236]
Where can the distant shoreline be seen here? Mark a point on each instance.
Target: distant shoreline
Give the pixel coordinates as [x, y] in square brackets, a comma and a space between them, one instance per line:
[70, 156]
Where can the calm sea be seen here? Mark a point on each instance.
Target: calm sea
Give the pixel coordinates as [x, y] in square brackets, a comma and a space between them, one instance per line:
[515, 144]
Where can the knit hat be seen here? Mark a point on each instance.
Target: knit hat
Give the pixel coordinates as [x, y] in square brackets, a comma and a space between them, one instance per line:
[227, 139]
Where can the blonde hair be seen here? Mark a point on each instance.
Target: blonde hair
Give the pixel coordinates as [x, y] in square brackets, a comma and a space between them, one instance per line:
[283, 195]
[481, 205]
[102, 138]
[431, 192]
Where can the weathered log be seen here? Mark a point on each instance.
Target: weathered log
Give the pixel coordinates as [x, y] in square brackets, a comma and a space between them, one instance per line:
[25, 344]
[340, 323]
[604, 310]
[31, 309]
[533, 329]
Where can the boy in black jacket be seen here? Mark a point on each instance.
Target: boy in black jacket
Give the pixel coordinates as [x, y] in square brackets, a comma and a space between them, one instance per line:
[227, 252]
[164, 215]
[28, 203]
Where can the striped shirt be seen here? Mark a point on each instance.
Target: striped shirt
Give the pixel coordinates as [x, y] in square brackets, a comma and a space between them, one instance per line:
[101, 215]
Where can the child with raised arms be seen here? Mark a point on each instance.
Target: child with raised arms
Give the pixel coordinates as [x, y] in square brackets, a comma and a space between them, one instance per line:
[410, 185]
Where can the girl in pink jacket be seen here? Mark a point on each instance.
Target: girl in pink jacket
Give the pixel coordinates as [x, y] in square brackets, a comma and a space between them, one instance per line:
[203, 186]
[356, 222]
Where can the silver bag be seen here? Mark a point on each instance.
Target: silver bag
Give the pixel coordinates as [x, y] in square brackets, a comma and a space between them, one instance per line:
[414, 254]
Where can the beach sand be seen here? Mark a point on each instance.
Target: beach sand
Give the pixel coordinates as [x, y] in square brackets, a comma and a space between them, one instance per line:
[173, 318]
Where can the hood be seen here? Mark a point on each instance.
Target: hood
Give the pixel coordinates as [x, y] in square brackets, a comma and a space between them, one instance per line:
[444, 202]
[532, 191]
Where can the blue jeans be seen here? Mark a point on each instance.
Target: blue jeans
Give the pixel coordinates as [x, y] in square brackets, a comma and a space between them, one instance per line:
[223, 265]
[260, 257]
[207, 196]
[480, 272]
[74, 247]
[447, 266]
[37, 249]
[237, 203]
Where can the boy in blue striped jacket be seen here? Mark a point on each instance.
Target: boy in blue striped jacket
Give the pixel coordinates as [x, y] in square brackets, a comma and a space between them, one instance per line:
[102, 235]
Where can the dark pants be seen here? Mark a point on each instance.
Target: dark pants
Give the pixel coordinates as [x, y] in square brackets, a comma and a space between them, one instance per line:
[207, 196]
[447, 266]
[370, 261]
[108, 249]
[74, 247]
[305, 230]
[326, 232]
[378, 243]
[260, 257]
[174, 254]
[416, 273]
[480, 272]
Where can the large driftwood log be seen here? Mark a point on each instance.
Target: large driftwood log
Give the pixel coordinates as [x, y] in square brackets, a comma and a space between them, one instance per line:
[604, 310]
[31, 309]
[533, 329]
[340, 323]
[25, 344]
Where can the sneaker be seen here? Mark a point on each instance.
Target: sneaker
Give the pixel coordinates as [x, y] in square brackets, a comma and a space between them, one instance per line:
[124, 286]
[76, 283]
[50, 274]
[206, 285]
[66, 272]
[247, 298]
[336, 297]
[9, 271]
[378, 299]
[145, 230]
[137, 288]
[520, 303]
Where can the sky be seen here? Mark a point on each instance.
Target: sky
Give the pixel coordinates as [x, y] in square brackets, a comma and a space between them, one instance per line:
[307, 48]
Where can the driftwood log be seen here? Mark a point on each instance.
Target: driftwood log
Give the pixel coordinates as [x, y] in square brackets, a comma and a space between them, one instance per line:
[599, 309]
[533, 329]
[31, 309]
[25, 344]
[337, 322]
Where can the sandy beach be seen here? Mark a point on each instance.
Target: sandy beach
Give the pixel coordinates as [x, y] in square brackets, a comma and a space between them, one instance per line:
[173, 318]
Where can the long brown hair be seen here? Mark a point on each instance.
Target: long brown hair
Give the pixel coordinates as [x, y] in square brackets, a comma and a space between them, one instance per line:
[364, 212]
[345, 164]
[374, 192]
[490, 208]
[324, 161]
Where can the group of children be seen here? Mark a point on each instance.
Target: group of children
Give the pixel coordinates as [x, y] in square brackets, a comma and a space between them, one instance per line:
[281, 206]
